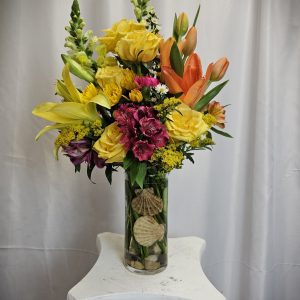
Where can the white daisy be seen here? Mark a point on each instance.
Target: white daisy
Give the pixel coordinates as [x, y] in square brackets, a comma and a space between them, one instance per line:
[161, 89]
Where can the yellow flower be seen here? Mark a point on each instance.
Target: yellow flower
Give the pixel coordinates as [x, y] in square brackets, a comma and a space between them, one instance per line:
[114, 74]
[136, 96]
[210, 120]
[185, 124]
[168, 157]
[128, 80]
[113, 92]
[119, 30]
[108, 146]
[89, 92]
[140, 45]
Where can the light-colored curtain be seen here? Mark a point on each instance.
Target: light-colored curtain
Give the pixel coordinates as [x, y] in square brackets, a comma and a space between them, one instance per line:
[243, 198]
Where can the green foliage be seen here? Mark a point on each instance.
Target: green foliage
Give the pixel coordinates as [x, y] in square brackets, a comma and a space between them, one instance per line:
[197, 15]
[209, 96]
[176, 60]
[221, 132]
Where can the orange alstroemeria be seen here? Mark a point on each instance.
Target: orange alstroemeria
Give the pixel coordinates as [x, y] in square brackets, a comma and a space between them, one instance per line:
[193, 84]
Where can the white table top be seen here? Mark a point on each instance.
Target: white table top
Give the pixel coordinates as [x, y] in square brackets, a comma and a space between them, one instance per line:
[183, 278]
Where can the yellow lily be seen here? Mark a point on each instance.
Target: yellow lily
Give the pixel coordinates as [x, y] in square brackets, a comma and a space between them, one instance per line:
[69, 92]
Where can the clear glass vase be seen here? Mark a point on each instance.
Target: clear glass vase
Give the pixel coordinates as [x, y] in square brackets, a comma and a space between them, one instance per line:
[146, 210]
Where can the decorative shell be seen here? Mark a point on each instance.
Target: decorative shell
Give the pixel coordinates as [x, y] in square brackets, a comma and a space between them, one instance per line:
[147, 231]
[146, 203]
[152, 265]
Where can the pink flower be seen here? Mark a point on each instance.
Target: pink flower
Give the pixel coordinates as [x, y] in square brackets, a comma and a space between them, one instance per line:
[142, 150]
[146, 81]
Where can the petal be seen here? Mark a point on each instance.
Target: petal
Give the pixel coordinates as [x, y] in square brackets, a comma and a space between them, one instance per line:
[195, 92]
[173, 81]
[165, 49]
[102, 100]
[75, 95]
[192, 70]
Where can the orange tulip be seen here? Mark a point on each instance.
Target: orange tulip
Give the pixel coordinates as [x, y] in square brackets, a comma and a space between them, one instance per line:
[219, 69]
[190, 42]
[192, 85]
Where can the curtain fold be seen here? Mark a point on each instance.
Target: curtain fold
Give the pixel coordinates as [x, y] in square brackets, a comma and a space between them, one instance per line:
[242, 198]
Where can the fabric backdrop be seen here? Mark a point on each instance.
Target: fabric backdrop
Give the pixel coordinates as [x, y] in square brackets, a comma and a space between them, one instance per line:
[242, 198]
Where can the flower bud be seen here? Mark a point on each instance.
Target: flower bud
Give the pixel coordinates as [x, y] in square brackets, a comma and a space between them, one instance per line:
[77, 69]
[190, 42]
[138, 13]
[182, 24]
[219, 69]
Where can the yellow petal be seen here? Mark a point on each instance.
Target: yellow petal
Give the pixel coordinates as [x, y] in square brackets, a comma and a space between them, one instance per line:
[76, 111]
[66, 112]
[48, 128]
[75, 95]
[102, 100]
[62, 91]
[44, 111]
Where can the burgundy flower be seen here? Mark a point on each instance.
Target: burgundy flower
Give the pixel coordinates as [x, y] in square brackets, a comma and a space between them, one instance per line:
[124, 115]
[161, 139]
[155, 130]
[81, 151]
[129, 136]
[150, 126]
[142, 150]
[143, 111]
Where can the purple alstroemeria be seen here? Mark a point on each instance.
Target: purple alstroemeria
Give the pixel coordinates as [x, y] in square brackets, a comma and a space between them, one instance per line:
[81, 151]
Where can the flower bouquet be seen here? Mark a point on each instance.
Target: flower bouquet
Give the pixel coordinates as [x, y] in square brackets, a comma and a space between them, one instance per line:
[144, 105]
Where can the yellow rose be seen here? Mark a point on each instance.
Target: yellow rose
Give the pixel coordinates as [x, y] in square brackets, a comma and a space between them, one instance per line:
[140, 45]
[186, 125]
[119, 30]
[124, 78]
[108, 146]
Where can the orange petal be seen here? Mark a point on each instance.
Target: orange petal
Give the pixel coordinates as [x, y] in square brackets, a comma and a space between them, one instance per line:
[209, 71]
[195, 92]
[165, 49]
[192, 70]
[173, 81]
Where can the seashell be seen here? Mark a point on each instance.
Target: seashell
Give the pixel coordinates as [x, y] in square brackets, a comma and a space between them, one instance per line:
[147, 231]
[137, 265]
[152, 265]
[156, 249]
[147, 203]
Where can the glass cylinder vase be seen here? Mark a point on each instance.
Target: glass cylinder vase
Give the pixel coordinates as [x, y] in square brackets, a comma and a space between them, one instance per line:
[146, 225]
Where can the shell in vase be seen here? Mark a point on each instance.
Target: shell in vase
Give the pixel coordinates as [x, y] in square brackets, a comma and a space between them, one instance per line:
[147, 231]
[146, 203]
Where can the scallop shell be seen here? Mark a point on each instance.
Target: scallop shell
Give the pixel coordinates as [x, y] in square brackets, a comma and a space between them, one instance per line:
[146, 203]
[147, 231]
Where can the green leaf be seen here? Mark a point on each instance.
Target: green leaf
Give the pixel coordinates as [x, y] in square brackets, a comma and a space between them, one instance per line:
[142, 170]
[133, 171]
[197, 15]
[209, 96]
[128, 161]
[89, 171]
[176, 60]
[77, 168]
[221, 132]
[175, 35]
[108, 173]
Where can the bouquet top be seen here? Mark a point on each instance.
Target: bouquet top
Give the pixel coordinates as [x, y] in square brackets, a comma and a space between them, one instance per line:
[144, 103]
